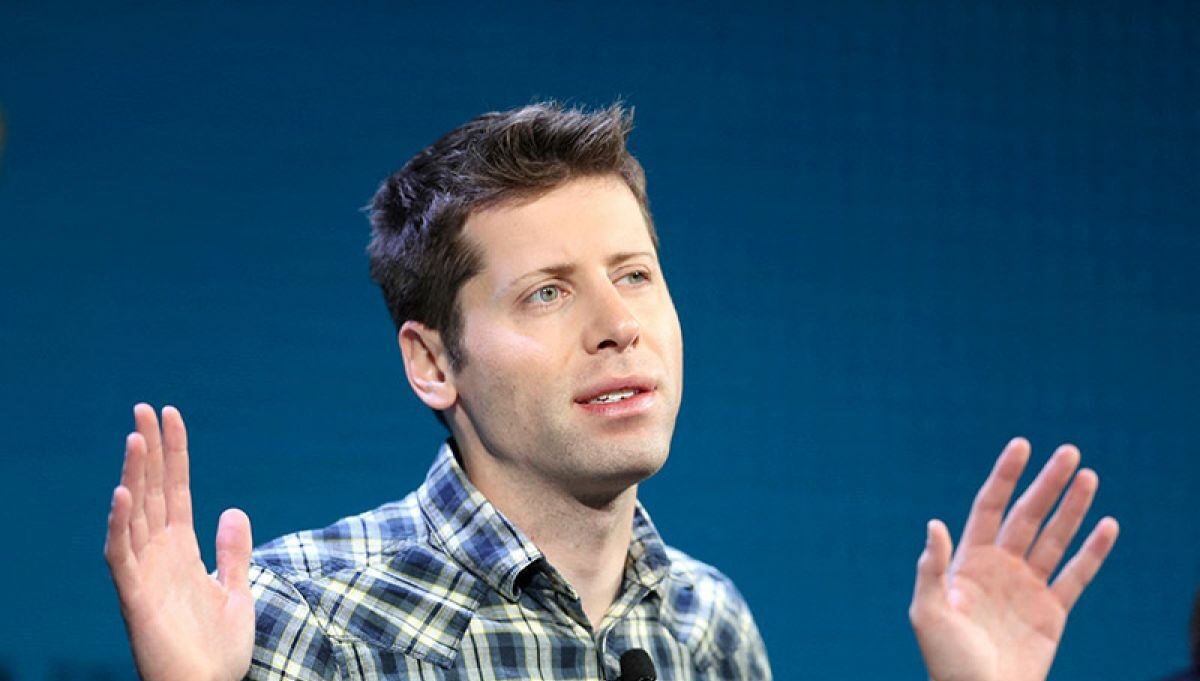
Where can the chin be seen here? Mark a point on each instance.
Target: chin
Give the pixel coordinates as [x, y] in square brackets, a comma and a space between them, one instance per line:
[603, 468]
[632, 465]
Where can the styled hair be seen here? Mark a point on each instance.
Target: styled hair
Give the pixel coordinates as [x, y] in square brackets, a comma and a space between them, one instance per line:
[419, 256]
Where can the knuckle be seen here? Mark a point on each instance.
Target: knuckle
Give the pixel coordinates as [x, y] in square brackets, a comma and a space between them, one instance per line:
[1050, 544]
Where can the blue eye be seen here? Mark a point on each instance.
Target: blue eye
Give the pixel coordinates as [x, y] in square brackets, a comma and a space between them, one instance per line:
[546, 294]
[637, 277]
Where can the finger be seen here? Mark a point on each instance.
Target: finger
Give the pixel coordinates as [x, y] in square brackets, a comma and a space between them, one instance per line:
[1030, 511]
[930, 590]
[147, 426]
[1056, 536]
[1084, 565]
[118, 549]
[176, 486]
[988, 509]
[233, 549]
[133, 478]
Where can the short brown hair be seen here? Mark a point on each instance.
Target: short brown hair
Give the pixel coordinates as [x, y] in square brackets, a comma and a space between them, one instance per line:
[418, 255]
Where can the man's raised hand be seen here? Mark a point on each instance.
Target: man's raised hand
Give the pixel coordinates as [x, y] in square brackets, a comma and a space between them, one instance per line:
[183, 624]
[989, 611]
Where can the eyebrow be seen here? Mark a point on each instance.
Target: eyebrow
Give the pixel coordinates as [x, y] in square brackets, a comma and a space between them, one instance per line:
[565, 269]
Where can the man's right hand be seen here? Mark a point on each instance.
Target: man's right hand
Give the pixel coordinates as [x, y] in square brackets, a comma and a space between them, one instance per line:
[183, 624]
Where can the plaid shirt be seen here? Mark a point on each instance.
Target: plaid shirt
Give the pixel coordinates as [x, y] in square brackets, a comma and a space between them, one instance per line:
[441, 586]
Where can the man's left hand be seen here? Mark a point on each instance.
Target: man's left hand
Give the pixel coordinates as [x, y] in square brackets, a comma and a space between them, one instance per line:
[989, 611]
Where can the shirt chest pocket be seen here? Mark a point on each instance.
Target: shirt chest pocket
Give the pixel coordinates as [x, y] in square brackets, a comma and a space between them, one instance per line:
[496, 658]
[389, 623]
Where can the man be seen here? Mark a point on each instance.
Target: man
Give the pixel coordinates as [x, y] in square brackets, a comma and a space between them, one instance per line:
[519, 261]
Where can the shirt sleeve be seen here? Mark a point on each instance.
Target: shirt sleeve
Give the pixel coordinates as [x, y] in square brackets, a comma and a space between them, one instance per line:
[289, 642]
[741, 653]
[750, 660]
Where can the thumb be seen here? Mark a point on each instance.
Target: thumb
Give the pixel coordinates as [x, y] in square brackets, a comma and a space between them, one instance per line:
[233, 549]
[932, 565]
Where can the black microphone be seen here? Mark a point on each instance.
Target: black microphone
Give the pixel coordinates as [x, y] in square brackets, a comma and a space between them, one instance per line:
[636, 666]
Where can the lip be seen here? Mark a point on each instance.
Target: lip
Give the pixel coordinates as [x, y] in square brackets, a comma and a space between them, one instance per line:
[641, 384]
[629, 407]
[641, 403]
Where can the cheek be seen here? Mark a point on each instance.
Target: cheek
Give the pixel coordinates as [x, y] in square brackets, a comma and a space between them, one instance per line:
[507, 361]
[670, 336]
[677, 354]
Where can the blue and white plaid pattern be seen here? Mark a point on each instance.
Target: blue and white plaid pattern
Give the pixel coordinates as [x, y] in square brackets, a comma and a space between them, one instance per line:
[441, 586]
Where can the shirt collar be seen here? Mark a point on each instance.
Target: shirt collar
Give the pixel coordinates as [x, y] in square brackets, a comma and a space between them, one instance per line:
[479, 537]
[471, 529]
[648, 562]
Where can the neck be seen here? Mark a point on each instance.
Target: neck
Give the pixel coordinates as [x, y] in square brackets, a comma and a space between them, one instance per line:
[585, 539]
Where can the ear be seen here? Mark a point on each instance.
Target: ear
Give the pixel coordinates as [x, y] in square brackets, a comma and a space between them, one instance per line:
[427, 365]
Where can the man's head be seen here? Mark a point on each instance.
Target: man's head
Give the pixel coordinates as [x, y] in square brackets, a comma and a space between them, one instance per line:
[553, 350]
[418, 256]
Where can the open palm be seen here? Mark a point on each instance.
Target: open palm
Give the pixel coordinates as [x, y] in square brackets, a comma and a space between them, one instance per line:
[989, 612]
[182, 623]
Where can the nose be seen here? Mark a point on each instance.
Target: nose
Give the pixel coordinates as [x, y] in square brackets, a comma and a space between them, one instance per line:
[613, 325]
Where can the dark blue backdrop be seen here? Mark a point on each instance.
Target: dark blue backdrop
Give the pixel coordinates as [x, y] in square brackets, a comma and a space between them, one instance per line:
[897, 234]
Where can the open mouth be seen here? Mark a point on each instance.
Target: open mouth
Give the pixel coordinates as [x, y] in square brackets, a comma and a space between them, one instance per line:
[614, 396]
[615, 390]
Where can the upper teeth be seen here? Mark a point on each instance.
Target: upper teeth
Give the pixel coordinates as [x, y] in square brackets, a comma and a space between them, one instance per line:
[614, 396]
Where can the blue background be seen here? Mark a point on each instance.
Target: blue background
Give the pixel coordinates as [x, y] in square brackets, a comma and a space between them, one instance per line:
[897, 235]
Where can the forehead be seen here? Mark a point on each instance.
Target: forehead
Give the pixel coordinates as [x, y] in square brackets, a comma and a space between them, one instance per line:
[584, 219]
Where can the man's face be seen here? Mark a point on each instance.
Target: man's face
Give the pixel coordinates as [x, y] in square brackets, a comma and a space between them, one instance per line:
[574, 355]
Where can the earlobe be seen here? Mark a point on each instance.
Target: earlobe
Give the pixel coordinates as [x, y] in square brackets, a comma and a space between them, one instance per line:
[427, 365]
